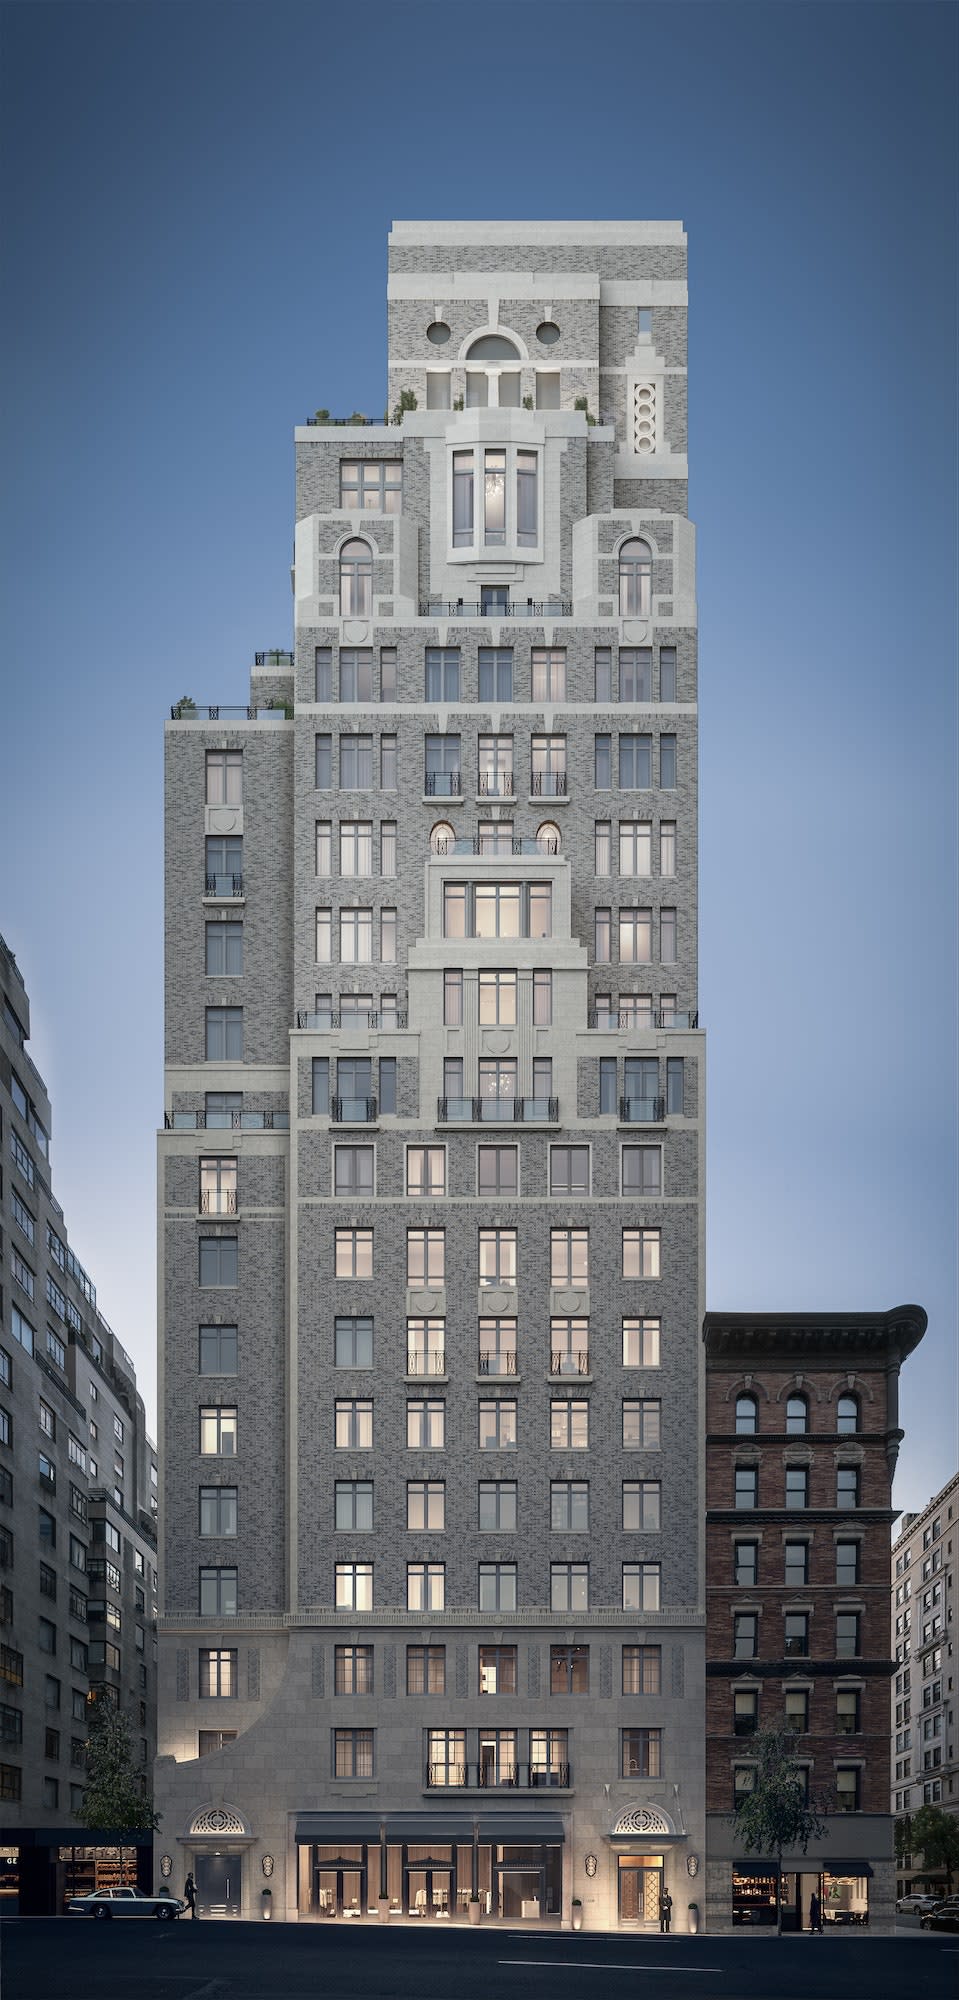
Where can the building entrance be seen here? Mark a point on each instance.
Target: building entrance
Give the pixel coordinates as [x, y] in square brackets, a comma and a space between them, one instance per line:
[339, 1881]
[219, 1884]
[640, 1888]
[430, 1881]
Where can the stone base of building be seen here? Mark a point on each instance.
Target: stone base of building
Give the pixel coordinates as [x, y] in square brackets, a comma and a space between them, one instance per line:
[849, 1871]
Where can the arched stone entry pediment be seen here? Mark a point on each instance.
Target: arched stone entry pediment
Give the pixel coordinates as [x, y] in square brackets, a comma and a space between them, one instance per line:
[643, 1820]
[219, 1822]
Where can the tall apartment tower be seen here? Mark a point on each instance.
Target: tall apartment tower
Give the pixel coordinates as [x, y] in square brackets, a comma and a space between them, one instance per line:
[78, 1486]
[925, 1715]
[431, 1178]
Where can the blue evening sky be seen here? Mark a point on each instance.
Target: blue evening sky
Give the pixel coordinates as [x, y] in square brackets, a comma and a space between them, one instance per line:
[196, 200]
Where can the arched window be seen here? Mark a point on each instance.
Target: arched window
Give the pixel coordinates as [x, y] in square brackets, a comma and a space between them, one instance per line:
[356, 580]
[492, 347]
[635, 580]
[847, 1413]
[746, 1416]
[547, 837]
[442, 837]
[496, 348]
[797, 1415]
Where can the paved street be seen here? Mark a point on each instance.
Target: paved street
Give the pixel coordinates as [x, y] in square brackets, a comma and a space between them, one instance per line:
[41, 1959]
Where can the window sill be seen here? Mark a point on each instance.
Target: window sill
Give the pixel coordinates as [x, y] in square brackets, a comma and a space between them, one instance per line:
[489, 1375]
[568, 1380]
[426, 1381]
[444, 799]
[233, 902]
[545, 801]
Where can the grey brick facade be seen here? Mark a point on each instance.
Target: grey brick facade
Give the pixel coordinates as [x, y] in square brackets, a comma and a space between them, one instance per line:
[316, 1074]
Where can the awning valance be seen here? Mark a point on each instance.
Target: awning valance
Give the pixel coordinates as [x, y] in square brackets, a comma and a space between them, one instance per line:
[804, 1866]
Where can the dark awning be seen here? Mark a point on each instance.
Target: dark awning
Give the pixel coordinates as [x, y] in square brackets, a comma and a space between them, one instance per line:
[520, 1828]
[754, 1868]
[834, 1867]
[805, 1866]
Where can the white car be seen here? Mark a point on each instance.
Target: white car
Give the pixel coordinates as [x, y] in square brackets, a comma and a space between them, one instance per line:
[914, 1905]
[107, 1903]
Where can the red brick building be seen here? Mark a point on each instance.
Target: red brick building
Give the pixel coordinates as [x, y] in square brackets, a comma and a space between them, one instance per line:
[802, 1434]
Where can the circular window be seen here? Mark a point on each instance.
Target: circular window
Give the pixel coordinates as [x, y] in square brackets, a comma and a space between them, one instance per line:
[442, 837]
[438, 333]
[547, 333]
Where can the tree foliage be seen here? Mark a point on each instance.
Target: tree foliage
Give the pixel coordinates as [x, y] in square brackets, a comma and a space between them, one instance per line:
[935, 1835]
[115, 1795]
[776, 1817]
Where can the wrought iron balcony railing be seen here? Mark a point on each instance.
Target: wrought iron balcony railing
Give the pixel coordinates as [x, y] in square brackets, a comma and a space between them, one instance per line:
[218, 1201]
[226, 1121]
[426, 1364]
[612, 1022]
[642, 1110]
[547, 784]
[191, 711]
[354, 1110]
[496, 1364]
[370, 1017]
[572, 1362]
[497, 1110]
[443, 784]
[224, 885]
[529, 607]
[490, 1777]
[495, 784]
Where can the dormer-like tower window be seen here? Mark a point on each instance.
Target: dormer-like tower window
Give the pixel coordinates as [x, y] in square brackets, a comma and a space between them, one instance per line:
[635, 579]
[356, 580]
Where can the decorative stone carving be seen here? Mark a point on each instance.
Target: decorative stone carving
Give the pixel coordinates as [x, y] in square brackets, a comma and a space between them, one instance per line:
[642, 1819]
[218, 1820]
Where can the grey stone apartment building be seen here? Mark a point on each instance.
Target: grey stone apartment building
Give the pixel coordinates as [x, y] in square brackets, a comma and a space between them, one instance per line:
[431, 1172]
[78, 1503]
[925, 1711]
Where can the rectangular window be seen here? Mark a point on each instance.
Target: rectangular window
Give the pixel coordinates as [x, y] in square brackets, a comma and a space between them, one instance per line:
[635, 847]
[642, 1424]
[498, 1170]
[387, 673]
[425, 1258]
[569, 1425]
[356, 847]
[542, 999]
[641, 1253]
[635, 673]
[642, 1170]
[675, 1086]
[495, 673]
[642, 1510]
[426, 1669]
[353, 1424]
[388, 849]
[796, 1633]
[796, 1564]
[353, 1506]
[426, 1170]
[463, 530]
[370, 485]
[353, 1171]
[497, 1426]
[425, 1505]
[635, 763]
[641, 1586]
[667, 937]
[323, 762]
[22, 1217]
[548, 673]
[602, 936]
[667, 847]
[847, 1486]
[388, 937]
[442, 673]
[602, 847]
[356, 763]
[602, 762]
[745, 1635]
[603, 674]
[526, 509]
[388, 764]
[642, 1669]
[353, 1753]
[218, 1593]
[354, 1586]
[747, 1486]
[320, 1077]
[356, 673]
[847, 1712]
[224, 1034]
[569, 1507]
[667, 673]
[497, 1587]
[224, 865]
[322, 673]
[746, 1564]
[224, 777]
[353, 1341]
[497, 999]
[425, 1586]
[497, 1506]
[569, 1170]
[218, 1430]
[453, 999]
[494, 498]
[641, 1338]
[635, 937]
[667, 762]
[548, 766]
[797, 1486]
[352, 1669]
[356, 937]
[497, 1670]
[442, 777]
[218, 1510]
[497, 1257]
[847, 1635]
[354, 1253]
[569, 1586]
[848, 1777]
[425, 1425]
[847, 1562]
[224, 950]
[209, 1741]
[219, 1261]
[569, 1669]
[569, 1258]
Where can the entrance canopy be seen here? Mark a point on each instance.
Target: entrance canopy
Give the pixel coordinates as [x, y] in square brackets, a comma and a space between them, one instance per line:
[500, 1828]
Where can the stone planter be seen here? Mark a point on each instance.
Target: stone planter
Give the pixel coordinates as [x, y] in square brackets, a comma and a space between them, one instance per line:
[693, 1919]
[474, 1912]
[576, 1916]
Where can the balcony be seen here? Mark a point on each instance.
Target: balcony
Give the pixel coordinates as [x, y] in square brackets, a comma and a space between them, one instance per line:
[461, 607]
[497, 1110]
[547, 784]
[495, 1364]
[218, 1201]
[612, 1023]
[354, 1110]
[191, 711]
[276, 657]
[570, 1362]
[642, 1110]
[426, 1364]
[443, 784]
[495, 784]
[485, 1777]
[323, 421]
[480, 844]
[224, 885]
[226, 1121]
[358, 1023]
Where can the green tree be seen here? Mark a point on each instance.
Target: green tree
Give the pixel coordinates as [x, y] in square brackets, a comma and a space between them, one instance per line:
[776, 1817]
[935, 1835]
[115, 1794]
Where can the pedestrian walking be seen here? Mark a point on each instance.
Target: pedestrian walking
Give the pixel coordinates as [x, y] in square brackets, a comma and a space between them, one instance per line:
[665, 1911]
[815, 1913]
[189, 1891]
